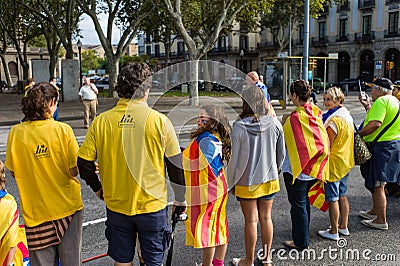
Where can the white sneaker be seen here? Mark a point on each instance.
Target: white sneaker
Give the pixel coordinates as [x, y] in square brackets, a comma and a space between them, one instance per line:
[366, 215]
[344, 232]
[326, 234]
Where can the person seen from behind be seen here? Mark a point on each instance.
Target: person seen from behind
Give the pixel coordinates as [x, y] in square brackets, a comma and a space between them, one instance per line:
[45, 170]
[133, 143]
[29, 85]
[339, 126]
[258, 151]
[53, 81]
[307, 146]
[207, 188]
[384, 165]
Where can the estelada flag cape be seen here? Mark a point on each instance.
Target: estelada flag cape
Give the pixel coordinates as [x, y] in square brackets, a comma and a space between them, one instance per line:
[11, 234]
[307, 142]
[206, 192]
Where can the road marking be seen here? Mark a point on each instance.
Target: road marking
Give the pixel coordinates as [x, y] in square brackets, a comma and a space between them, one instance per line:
[97, 221]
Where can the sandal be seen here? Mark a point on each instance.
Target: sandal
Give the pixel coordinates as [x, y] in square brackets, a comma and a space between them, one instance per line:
[290, 244]
[268, 262]
[236, 261]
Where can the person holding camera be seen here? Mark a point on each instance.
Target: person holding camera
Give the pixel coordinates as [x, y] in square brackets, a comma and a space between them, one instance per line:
[382, 131]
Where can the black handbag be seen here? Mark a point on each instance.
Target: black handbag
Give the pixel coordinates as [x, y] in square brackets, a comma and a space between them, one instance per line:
[362, 149]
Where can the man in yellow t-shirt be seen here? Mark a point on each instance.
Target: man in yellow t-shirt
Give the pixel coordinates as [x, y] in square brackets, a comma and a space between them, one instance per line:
[132, 144]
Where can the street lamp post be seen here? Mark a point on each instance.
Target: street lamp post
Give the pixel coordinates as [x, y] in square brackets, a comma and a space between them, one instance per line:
[241, 59]
[16, 60]
[41, 53]
[79, 44]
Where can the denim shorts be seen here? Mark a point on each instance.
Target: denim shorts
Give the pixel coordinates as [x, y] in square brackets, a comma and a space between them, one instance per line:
[334, 190]
[152, 230]
[266, 197]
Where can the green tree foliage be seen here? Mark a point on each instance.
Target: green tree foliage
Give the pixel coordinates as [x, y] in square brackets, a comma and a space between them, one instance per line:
[277, 19]
[90, 60]
[200, 23]
[58, 18]
[127, 15]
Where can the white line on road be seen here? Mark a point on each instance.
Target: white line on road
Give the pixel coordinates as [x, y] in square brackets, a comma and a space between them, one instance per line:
[105, 219]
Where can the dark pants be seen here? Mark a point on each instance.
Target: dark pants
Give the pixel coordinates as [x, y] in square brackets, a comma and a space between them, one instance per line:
[300, 209]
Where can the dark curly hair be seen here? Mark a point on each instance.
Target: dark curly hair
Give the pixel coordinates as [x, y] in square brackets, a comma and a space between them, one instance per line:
[254, 102]
[302, 89]
[36, 104]
[219, 124]
[2, 175]
[133, 81]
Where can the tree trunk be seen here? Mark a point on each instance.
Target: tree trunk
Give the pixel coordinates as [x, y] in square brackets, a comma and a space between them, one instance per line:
[53, 64]
[194, 88]
[165, 71]
[113, 70]
[6, 70]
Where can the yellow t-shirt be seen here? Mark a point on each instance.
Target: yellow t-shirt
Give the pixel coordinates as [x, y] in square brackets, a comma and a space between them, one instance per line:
[40, 153]
[257, 191]
[341, 158]
[130, 142]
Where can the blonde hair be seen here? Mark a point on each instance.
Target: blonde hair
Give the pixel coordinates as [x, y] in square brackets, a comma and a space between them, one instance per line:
[336, 94]
[2, 175]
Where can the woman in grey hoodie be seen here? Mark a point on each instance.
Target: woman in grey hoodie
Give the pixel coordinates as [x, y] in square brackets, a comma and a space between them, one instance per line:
[258, 151]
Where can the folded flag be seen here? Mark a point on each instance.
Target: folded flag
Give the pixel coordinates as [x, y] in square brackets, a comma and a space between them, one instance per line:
[307, 142]
[316, 194]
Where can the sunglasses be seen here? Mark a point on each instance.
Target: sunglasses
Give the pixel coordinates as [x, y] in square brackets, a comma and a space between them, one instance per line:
[202, 120]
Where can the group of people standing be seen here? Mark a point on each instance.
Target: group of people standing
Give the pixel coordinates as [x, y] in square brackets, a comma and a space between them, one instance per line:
[132, 147]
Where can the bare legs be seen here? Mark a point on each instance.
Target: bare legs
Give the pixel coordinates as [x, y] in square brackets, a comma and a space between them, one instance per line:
[379, 205]
[208, 254]
[253, 210]
[344, 209]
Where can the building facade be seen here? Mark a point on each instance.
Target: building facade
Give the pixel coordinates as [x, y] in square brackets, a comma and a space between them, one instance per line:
[364, 33]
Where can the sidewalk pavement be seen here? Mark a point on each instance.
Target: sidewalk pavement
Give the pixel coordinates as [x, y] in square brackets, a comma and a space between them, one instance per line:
[178, 110]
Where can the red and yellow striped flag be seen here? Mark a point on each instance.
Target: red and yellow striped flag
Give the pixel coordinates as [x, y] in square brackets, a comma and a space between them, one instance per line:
[206, 193]
[316, 194]
[307, 142]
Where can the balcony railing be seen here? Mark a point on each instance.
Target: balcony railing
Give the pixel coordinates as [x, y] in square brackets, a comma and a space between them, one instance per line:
[392, 34]
[343, 38]
[363, 4]
[343, 8]
[317, 41]
[364, 37]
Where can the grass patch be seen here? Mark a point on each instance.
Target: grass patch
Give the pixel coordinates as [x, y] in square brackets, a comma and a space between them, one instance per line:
[104, 93]
[201, 93]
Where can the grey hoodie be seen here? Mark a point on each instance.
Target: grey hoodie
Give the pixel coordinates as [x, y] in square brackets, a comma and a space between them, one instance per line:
[258, 151]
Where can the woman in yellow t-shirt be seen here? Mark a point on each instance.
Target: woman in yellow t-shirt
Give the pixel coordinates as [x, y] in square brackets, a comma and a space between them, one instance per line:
[41, 155]
[339, 126]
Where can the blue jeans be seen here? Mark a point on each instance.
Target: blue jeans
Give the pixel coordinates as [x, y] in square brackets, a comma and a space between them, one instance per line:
[300, 209]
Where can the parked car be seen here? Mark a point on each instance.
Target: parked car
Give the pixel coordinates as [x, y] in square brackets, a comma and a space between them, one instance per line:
[104, 80]
[318, 85]
[355, 83]
[95, 79]
[3, 86]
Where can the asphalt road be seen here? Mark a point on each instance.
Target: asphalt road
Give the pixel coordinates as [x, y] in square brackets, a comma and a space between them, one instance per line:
[364, 246]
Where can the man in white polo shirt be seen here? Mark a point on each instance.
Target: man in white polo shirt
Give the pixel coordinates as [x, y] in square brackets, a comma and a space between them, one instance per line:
[88, 95]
